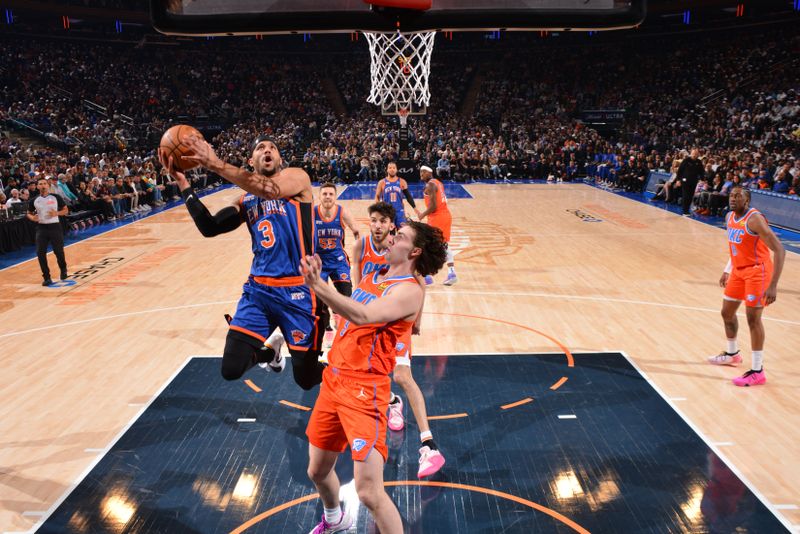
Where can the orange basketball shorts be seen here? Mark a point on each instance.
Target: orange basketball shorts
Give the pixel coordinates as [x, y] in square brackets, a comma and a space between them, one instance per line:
[443, 223]
[351, 410]
[749, 284]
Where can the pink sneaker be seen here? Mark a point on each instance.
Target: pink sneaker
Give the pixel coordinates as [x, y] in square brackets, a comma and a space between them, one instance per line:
[751, 378]
[430, 461]
[723, 358]
[396, 419]
[345, 523]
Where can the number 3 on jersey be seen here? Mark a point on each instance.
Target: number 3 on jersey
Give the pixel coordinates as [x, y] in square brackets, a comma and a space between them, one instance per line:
[265, 227]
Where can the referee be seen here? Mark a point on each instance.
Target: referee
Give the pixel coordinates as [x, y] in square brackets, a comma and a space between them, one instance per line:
[45, 210]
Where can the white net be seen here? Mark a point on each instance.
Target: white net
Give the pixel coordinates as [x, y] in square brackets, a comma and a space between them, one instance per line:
[400, 64]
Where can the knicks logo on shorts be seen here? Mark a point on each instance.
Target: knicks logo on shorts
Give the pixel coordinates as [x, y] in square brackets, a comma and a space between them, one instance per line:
[359, 444]
[344, 277]
[298, 336]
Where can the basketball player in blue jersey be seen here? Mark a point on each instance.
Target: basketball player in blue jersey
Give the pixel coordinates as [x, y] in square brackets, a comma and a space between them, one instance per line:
[278, 211]
[330, 220]
[391, 190]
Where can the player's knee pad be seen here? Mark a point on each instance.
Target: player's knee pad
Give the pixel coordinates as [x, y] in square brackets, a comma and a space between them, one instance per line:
[344, 288]
[239, 355]
[306, 368]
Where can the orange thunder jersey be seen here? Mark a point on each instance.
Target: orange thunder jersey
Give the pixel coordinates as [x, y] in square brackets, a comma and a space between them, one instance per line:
[371, 260]
[441, 200]
[370, 348]
[746, 248]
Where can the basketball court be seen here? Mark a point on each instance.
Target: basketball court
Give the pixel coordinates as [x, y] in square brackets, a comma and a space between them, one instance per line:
[566, 373]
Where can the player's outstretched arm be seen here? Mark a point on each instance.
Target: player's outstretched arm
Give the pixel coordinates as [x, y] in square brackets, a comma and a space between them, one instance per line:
[294, 181]
[225, 220]
[403, 301]
[758, 225]
[350, 223]
[430, 191]
[357, 252]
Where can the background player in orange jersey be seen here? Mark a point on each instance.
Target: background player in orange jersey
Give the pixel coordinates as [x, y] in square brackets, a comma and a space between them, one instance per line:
[438, 214]
[750, 276]
[354, 396]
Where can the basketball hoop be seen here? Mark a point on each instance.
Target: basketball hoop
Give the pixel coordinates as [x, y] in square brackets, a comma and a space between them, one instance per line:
[400, 65]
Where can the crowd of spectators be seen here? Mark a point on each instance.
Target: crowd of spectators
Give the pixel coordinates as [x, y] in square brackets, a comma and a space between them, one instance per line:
[497, 112]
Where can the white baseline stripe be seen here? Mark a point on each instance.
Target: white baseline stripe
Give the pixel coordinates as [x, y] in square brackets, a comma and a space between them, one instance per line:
[99, 457]
[713, 447]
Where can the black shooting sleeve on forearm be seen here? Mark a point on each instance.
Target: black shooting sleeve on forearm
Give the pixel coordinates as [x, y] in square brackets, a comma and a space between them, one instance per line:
[410, 199]
[225, 220]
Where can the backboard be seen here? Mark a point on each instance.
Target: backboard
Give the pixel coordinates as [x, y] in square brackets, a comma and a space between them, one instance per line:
[242, 17]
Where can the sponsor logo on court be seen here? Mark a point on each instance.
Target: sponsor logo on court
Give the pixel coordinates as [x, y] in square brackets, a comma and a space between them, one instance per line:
[359, 444]
[96, 289]
[95, 268]
[615, 217]
[584, 216]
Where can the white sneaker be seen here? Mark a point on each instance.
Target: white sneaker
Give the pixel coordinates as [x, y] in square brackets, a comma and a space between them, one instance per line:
[451, 279]
[278, 363]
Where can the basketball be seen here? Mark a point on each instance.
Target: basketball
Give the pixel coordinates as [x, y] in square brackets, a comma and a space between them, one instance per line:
[172, 145]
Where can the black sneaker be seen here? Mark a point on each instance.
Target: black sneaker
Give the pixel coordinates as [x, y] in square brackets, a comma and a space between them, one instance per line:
[47, 282]
[64, 275]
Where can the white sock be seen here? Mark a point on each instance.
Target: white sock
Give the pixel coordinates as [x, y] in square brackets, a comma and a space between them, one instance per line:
[392, 398]
[333, 515]
[733, 346]
[451, 269]
[758, 360]
[425, 435]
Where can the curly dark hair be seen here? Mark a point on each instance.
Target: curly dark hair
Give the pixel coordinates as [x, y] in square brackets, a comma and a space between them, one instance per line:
[383, 208]
[434, 248]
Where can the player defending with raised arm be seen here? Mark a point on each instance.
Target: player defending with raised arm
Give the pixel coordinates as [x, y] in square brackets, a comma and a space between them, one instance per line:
[354, 396]
[438, 214]
[391, 190]
[277, 210]
[752, 277]
[369, 253]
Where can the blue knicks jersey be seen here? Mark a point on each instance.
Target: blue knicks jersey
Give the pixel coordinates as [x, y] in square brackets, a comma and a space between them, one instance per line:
[329, 235]
[393, 194]
[281, 231]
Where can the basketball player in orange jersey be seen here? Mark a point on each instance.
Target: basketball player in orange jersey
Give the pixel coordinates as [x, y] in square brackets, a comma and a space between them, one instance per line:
[369, 253]
[278, 212]
[392, 189]
[438, 214]
[750, 276]
[354, 396]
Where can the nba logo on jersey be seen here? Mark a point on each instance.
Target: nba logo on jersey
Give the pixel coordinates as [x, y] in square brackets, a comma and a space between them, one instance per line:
[359, 444]
[298, 336]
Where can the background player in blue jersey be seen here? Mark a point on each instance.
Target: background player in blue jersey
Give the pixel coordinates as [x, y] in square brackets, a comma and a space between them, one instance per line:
[330, 219]
[278, 212]
[392, 189]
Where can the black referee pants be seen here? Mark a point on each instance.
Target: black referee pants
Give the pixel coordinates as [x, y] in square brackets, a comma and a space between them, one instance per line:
[50, 234]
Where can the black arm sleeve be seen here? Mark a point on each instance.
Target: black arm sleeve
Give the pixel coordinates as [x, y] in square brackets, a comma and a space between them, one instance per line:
[225, 220]
[410, 199]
